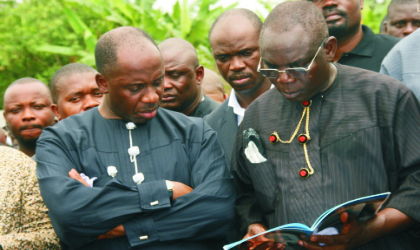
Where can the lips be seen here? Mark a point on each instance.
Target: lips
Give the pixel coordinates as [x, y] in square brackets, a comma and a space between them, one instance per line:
[238, 79]
[290, 94]
[167, 98]
[333, 15]
[148, 114]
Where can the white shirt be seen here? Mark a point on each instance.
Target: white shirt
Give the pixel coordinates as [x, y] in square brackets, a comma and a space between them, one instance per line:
[237, 109]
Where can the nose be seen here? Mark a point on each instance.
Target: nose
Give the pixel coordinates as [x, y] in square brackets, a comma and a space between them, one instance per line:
[326, 3]
[409, 29]
[285, 78]
[167, 83]
[90, 102]
[236, 64]
[150, 95]
[28, 115]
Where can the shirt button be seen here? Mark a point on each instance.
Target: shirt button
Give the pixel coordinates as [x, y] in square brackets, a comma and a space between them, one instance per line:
[144, 237]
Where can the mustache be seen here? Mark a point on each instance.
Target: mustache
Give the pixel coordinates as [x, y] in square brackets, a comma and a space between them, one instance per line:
[237, 76]
[148, 108]
[30, 126]
[328, 10]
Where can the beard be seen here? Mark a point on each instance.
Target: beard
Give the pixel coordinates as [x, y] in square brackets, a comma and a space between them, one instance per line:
[27, 142]
[338, 31]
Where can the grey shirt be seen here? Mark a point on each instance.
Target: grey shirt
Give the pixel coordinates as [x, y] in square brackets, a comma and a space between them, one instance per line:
[403, 64]
[172, 147]
[205, 107]
[365, 137]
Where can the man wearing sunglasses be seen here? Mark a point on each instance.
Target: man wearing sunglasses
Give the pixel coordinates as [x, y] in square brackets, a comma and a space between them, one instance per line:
[327, 134]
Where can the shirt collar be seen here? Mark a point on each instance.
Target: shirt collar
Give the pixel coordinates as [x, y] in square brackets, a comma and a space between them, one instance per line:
[366, 46]
[237, 109]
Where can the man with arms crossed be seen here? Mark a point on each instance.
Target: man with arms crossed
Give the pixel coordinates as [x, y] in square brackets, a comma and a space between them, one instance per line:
[161, 178]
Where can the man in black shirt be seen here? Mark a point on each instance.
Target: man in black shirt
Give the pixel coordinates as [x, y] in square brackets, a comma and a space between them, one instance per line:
[357, 45]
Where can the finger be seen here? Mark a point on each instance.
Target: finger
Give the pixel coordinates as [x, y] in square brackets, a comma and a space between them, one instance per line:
[329, 240]
[344, 217]
[264, 245]
[309, 246]
[245, 245]
[75, 175]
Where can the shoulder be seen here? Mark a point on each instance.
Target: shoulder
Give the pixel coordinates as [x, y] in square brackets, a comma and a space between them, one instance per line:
[218, 113]
[369, 83]
[265, 100]
[386, 42]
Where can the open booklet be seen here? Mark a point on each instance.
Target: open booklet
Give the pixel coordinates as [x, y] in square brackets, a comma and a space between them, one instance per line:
[364, 208]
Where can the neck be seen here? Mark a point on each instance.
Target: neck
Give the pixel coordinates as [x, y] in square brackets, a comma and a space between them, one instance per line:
[348, 43]
[29, 150]
[331, 79]
[245, 99]
[194, 104]
[105, 111]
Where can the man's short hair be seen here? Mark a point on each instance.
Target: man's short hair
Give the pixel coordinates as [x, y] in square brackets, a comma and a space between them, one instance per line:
[251, 16]
[107, 45]
[286, 16]
[25, 80]
[398, 2]
[64, 72]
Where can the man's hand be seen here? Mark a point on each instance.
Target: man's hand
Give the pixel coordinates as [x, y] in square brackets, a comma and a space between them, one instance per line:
[75, 175]
[260, 242]
[180, 189]
[114, 233]
[356, 233]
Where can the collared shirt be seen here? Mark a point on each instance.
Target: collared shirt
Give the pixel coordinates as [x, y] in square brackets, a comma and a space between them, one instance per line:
[237, 109]
[403, 64]
[370, 51]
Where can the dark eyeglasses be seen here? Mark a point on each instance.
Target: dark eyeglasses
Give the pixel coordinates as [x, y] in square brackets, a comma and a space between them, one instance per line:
[293, 72]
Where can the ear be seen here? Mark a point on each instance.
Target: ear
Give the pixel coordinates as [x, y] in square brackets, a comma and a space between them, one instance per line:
[54, 109]
[361, 4]
[386, 27]
[102, 83]
[199, 72]
[225, 96]
[330, 47]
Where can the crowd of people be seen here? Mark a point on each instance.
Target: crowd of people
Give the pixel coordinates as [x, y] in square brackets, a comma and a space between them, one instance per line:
[147, 151]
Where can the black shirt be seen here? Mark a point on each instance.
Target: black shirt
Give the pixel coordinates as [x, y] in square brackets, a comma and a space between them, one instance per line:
[370, 51]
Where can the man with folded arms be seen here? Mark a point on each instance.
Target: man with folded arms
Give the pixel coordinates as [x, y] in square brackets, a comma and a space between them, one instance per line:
[158, 178]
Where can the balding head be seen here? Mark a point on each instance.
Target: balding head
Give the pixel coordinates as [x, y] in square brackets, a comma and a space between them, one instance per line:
[212, 86]
[286, 16]
[295, 33]
[131, 75]
[108, 45]
[183, 76]
[230, 17]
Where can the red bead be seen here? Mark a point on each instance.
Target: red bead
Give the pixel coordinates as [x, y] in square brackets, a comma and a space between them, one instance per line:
[305, 103]
[273, 138]
[303, 173]
[302, 139]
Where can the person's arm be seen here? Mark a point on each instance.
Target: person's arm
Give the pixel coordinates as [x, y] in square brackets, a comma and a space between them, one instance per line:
[34, 227]
[401, 211]
[354, 233]
[205, 213]
[82, 213]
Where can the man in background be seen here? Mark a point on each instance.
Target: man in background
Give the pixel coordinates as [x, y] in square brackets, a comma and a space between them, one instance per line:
[403, 18]
[212, 86]
[357, 45]
[27, 112]
[183, 77]
[234, 38]
[403, 64]
[74, 90]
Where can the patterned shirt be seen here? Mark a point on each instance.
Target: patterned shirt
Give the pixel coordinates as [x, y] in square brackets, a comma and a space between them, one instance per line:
[24, 222]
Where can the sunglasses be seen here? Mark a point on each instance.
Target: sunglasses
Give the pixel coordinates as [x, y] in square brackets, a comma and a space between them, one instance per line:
[293, 72]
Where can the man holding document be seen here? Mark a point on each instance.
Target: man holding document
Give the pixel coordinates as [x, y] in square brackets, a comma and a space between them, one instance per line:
[327, 134]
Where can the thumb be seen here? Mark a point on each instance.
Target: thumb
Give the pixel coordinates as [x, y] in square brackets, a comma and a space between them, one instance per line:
[344, 217]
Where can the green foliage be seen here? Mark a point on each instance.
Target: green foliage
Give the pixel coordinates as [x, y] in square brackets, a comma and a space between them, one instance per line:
[373, 12]
[37, 37]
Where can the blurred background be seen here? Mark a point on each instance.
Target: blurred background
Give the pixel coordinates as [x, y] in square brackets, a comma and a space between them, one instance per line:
[37, 37]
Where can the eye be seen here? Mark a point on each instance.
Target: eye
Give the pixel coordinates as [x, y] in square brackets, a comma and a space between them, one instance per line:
[174, 75]
[158, 83]
[38, 107]
[134, 88]
[246, 53]
[416, 23]
[74, 99]
[400, 24]
[222, 58]
[98, 94]
[15, 110]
